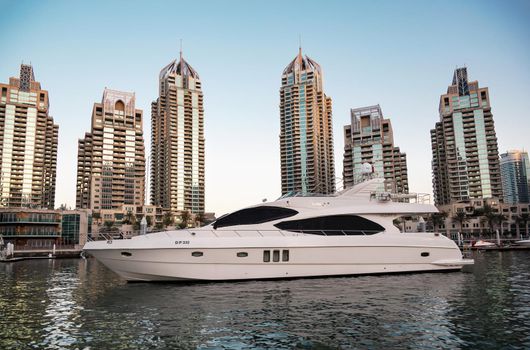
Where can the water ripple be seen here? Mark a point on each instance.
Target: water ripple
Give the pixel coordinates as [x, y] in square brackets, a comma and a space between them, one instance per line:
[79, 304]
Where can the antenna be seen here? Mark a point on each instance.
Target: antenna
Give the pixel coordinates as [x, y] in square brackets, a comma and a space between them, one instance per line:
[300, 43]
[181, 49]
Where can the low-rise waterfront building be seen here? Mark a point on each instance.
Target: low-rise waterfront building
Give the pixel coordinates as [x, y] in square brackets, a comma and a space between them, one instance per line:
[477, 217]
[42, 228]
[128, 214]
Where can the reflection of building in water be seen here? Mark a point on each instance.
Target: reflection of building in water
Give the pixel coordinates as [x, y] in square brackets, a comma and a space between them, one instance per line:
[62, 311]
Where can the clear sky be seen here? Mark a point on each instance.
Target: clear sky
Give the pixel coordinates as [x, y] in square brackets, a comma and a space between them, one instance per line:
[400, 54]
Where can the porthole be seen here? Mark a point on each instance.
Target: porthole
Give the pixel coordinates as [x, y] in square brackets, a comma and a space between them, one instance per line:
[425, 254]
[127, 254]
[197, 254]
[285, 255]
[275, 255]
[266, 255]
[242, 254]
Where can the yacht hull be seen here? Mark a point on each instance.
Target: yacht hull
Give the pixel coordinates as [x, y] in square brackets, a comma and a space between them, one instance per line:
[302, 256]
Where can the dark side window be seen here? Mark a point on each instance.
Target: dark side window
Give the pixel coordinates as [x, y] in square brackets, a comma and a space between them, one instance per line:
[332, 225]
[255, 215]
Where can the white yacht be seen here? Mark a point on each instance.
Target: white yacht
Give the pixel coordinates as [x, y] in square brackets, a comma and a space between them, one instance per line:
[349, 233]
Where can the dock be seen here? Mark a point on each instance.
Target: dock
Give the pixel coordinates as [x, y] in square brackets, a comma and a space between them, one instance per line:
[31, 254]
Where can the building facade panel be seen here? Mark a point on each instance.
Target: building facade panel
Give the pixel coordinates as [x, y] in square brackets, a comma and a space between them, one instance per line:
[177, 141]
[28, 144]
[369, 139]
[306, 130]
[111, 157]
[465, 161]
[515, 173]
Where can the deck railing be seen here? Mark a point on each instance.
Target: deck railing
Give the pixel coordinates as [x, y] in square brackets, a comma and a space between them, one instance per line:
[245, 233]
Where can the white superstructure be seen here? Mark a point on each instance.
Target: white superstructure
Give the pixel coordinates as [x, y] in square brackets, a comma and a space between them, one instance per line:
[347, 234]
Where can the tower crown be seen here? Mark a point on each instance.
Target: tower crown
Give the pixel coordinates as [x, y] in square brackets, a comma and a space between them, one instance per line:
[300, 63]
[181, 68]
[26, 77]
[460, 81]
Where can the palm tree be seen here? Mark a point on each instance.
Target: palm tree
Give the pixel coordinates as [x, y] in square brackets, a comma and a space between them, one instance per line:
[525, 218]
[491, 216]
[108, 225]
[518, 222]
[149, 221]
[438, 219]
[185, 217]
[501, 218]
[461, 218]
[168, 219]
[97, 217]
[129, 219]
[199, 219]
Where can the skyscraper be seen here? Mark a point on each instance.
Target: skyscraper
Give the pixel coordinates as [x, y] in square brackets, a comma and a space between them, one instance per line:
[515, 172]
[28, 144]
[306, 130]
[111, 157]
[369, 138]
[177, 136]
[465, 160]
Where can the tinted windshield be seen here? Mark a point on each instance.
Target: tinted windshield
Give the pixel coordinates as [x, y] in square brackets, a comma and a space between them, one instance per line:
[255, 215]
[332, 225]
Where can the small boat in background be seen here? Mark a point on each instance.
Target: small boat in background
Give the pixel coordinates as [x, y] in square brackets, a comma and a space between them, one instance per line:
[483, 244]
[524, 242]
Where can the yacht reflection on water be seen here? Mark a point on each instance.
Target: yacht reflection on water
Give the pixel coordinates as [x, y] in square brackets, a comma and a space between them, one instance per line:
[350, 233]
[78, 304]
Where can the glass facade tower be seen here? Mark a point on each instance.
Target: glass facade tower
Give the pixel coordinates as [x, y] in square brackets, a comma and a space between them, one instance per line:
[465, 161]
[177, 140]
[111, 158]
[370, 139]
[515, 172]
[28, 144]
[306, 130]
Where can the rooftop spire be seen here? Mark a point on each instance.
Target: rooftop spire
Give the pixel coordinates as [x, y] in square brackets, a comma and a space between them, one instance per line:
[181, 49]
[300, 57]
